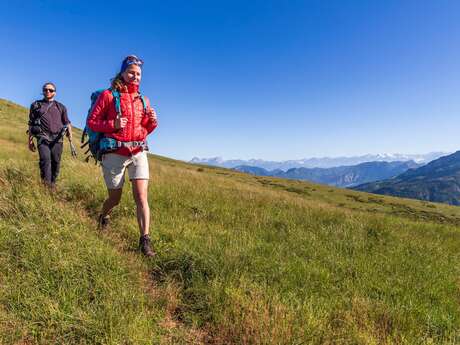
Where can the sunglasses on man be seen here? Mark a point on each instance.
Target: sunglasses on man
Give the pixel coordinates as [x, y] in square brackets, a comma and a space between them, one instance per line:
[49, 90]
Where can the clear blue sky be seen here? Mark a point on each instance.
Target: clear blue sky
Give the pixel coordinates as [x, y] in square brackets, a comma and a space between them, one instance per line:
[253, 79]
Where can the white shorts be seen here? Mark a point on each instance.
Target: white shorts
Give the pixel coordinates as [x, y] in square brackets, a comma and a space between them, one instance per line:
[114, 166]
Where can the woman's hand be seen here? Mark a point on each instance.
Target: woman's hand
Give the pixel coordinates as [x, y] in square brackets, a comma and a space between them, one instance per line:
[121, 122]
[151, 113]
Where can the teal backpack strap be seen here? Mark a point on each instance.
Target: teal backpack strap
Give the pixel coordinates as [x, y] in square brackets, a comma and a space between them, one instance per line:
[116, 98]
[143, 102]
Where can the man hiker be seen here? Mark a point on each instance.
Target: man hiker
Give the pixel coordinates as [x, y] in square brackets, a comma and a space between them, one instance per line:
[48, 122]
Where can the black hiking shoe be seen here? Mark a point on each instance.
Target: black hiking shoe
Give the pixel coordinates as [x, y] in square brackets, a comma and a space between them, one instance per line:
[51, 187]
[103, 222]
[144, 246]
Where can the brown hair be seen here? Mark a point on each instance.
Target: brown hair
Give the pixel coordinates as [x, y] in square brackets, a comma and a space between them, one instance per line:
[117, 82]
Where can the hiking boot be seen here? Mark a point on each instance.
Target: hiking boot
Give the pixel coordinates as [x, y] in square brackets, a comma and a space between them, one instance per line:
[144, 246]
[50, 186]
[103, 222]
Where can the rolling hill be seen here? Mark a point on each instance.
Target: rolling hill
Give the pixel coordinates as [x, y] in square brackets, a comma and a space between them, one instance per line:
[241, 259]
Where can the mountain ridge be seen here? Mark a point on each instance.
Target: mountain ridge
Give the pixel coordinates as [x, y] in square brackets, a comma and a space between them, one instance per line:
[343, 176]
[437, 181]
[322, 162]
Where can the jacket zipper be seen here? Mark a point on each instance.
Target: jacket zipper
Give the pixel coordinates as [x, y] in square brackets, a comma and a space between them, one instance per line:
[132, 119]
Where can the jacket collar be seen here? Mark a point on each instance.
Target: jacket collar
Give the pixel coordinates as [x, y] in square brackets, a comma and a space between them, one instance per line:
[131, 88]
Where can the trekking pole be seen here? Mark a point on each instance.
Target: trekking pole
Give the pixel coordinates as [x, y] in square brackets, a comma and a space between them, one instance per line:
[73, 151]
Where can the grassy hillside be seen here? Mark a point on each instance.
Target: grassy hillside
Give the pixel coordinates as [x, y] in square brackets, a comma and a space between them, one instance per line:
[241, 259]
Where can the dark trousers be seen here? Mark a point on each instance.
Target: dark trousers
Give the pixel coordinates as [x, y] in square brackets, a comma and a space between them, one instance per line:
[50, 160]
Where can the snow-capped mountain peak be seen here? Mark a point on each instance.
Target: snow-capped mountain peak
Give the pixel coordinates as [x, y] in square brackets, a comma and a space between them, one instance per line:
[322, 162]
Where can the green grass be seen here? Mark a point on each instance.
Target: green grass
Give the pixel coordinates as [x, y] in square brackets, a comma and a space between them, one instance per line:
[241, 259]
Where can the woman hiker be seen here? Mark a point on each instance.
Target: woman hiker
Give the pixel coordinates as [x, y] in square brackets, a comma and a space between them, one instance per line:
[130, 129]
[48, 122]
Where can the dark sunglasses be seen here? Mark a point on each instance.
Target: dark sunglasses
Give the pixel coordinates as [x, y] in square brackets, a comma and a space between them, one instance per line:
[49, 90]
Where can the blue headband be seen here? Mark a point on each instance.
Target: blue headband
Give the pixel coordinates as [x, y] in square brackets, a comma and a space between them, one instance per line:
[130, 60]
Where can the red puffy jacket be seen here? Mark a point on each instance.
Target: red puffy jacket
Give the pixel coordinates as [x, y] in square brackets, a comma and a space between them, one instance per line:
[102, 118]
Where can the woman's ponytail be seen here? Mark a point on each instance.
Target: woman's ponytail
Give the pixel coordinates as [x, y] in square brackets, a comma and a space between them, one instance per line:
[117, 82]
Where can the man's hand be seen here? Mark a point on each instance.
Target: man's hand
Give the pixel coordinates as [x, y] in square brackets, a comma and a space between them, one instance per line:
[69, 132]
[121, 122]
[32, 144]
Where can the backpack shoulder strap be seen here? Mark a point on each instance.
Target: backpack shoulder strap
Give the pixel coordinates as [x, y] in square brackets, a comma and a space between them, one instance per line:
[60, 106]
[35, 106]
[144, 104]
[116, 99]
[33, 112]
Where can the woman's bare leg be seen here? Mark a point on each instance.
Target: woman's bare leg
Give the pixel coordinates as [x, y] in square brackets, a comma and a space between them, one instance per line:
[140, 190]
[112, 200]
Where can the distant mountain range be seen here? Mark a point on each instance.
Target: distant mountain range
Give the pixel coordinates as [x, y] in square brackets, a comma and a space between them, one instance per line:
[437, 181]
[344, 176]
[325, 162]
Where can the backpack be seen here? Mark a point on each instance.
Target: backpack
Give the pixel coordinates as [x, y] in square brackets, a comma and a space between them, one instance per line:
[97, 142]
